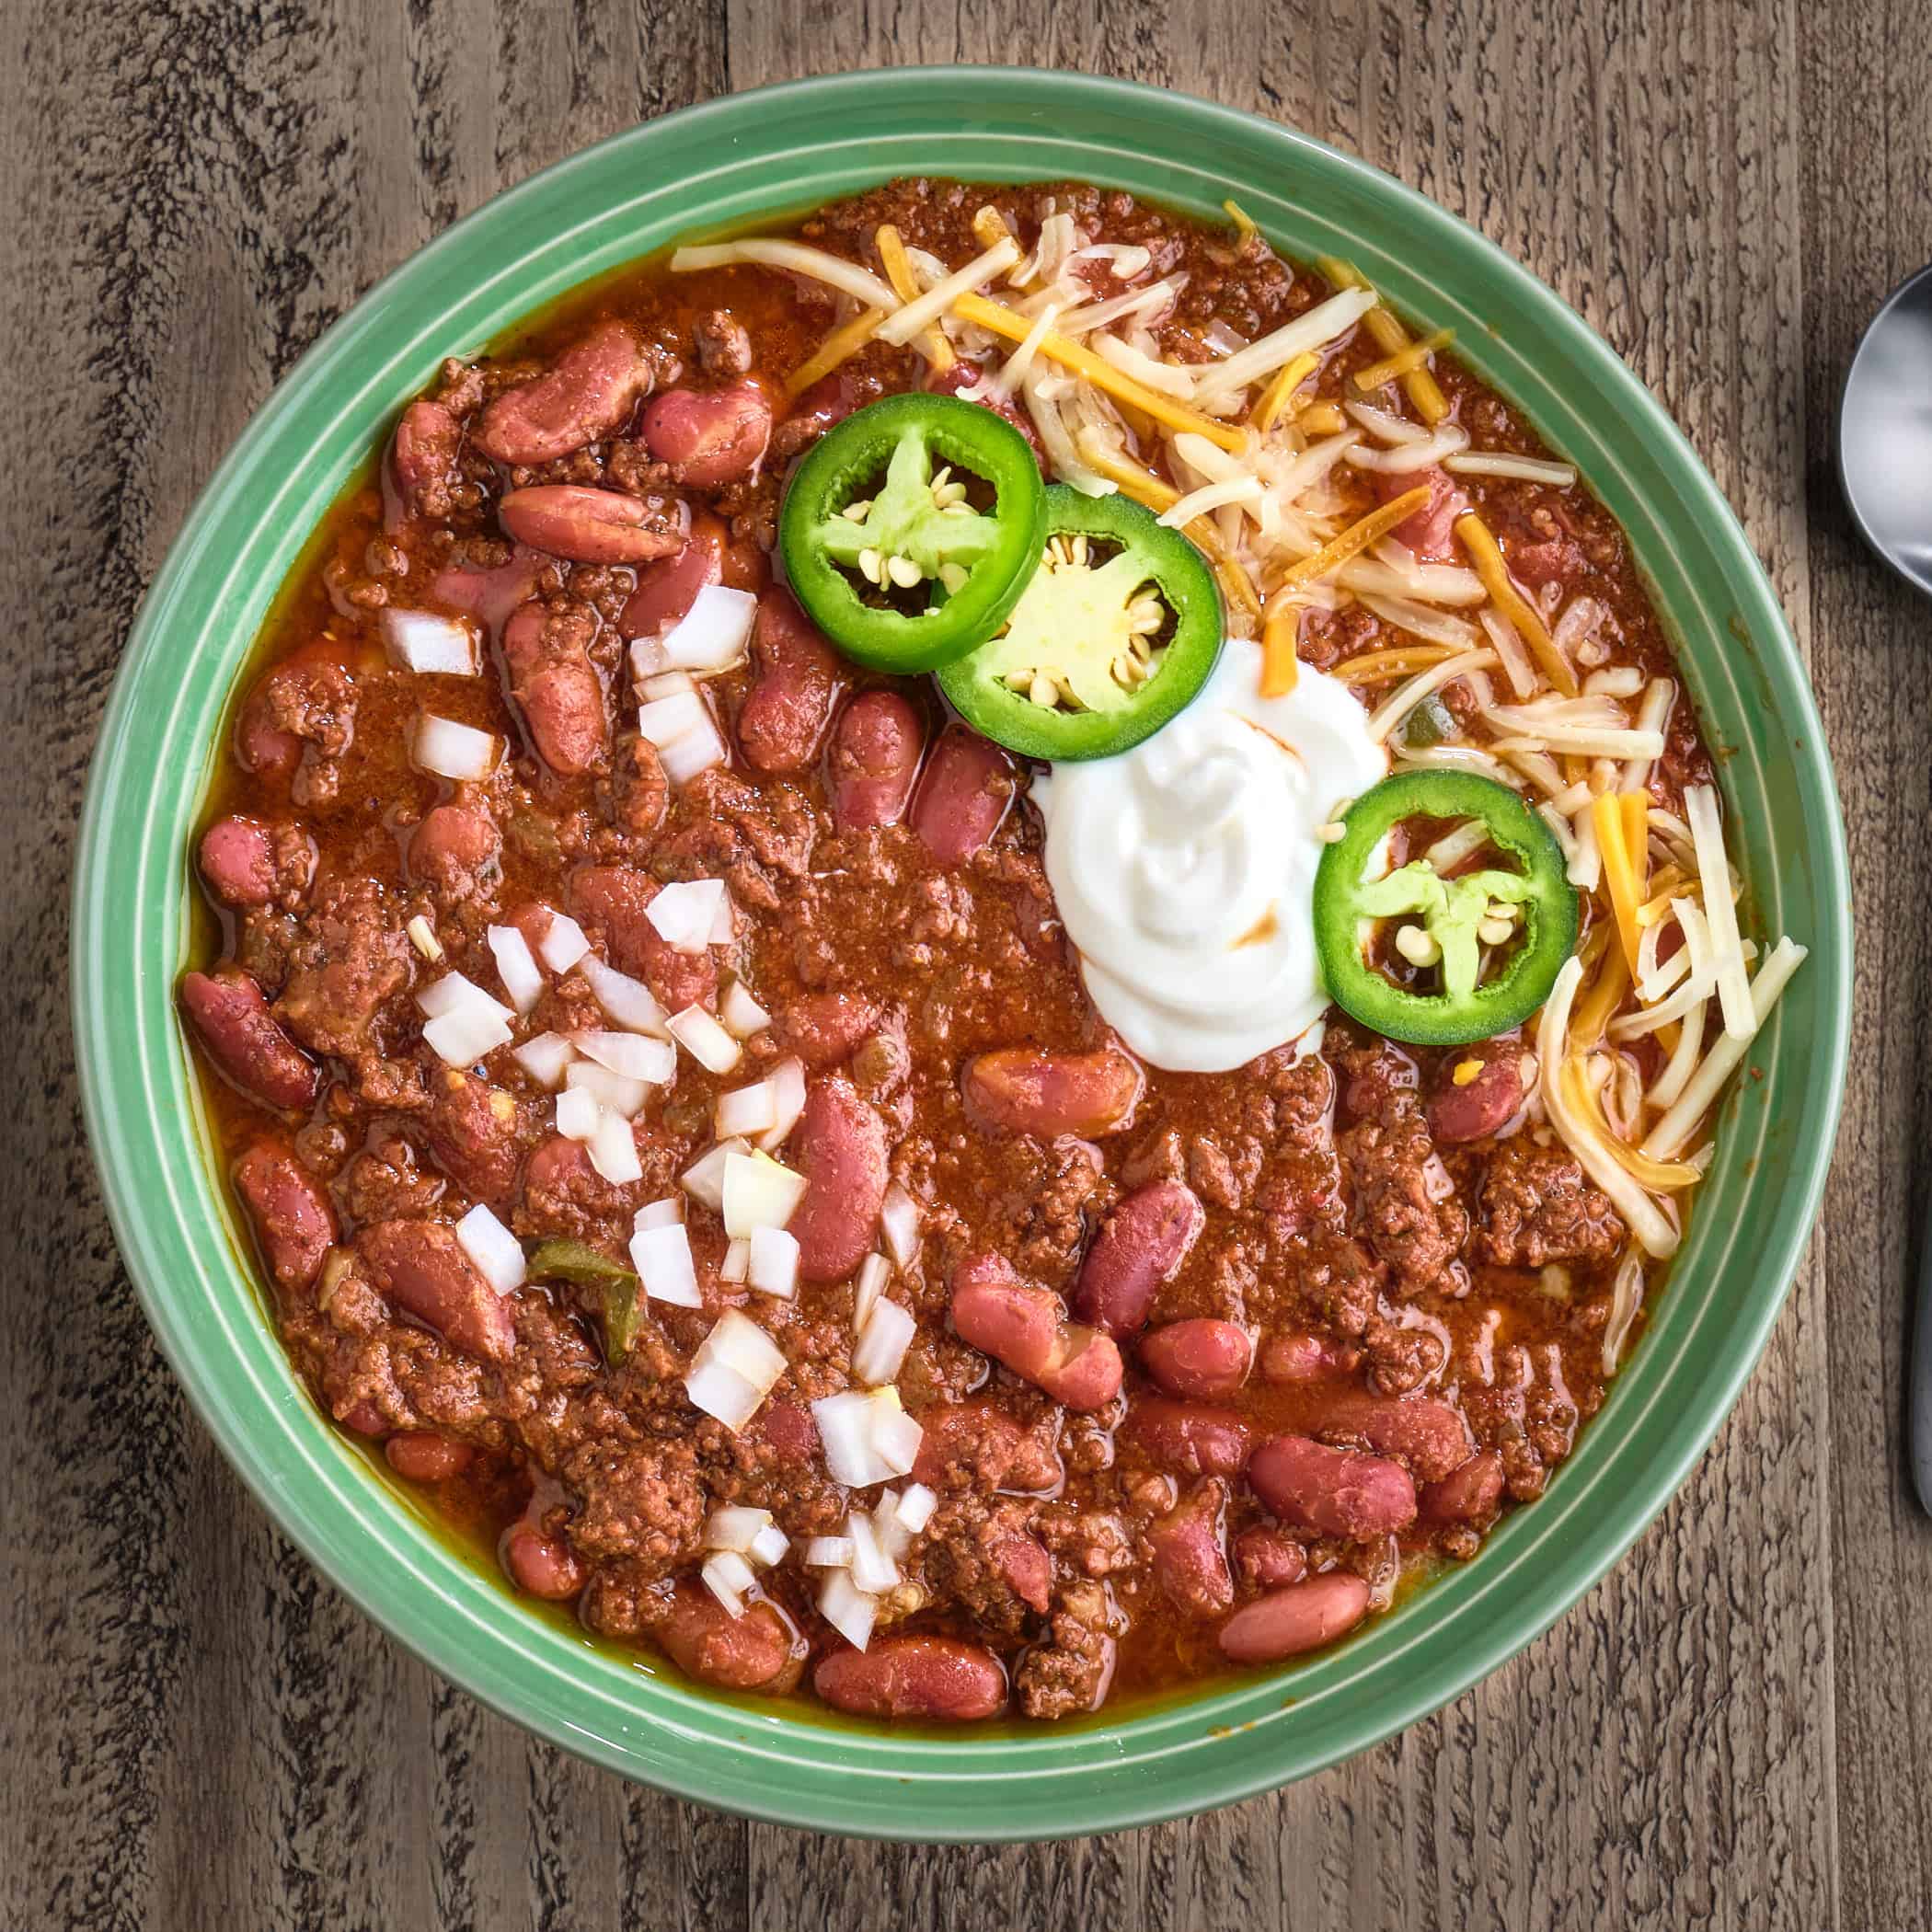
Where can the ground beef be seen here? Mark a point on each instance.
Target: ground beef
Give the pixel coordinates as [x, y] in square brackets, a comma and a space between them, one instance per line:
[1535, 1207]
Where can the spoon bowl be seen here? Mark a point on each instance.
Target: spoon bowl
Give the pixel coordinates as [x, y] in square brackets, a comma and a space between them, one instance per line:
[1885, 433]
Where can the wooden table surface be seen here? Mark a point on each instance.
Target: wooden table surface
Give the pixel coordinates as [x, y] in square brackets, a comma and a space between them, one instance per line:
[196, 1730]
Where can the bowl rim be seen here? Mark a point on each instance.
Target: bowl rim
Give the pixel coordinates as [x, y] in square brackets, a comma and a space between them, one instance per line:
[723, 1752]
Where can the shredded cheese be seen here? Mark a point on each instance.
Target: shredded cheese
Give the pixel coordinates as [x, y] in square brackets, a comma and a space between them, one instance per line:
[1621, 878]
[918, 314]
[1391, 339]
[1374, 667]
[1489, 565]
[989, 226]
[1240, 218]
[1700, 806]
[839, 347]
[1496, 462]
[1405, 361]
[1211, 497]
[1405, 697]
[933, 344]
[1279, 667]
[1274, 399]
[1353, 541]
[1002, 321]
[1315, 330]
[861, 284]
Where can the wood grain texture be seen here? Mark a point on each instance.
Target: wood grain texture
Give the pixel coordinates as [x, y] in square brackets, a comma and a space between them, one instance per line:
[196, 1730]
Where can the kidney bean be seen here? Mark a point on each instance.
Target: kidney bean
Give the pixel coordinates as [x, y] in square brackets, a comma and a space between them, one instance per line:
[1429, 1436]
[828, 402]
[246, 1042]
[823, 1028]
[788, 1428]
[540, 1566]
[976, 1445]
[588, 393]
[1298, 1356]
[453, 850]
[364, 1419]
[1141, 1247]
[472, 1130]
[292, 1216]
[488, 596]
[237, 862]
[1188, 1436]
[556, 686]
[667, 588]
[307, 698]
[587, 525]
[842, 1153]
[785, 711]
[965, 793]
[421, 1267]
[757, 1651]
[1338, 1492]
[1304, 1616]
[1028, 1570]
[709, 437]
[423, 453]
[1470, 1493]
[1202, 1357]
[1026, 1328]
[963, 374]
[1046, 1095]
[1485, 1101]
[935, 1677]
[1189, 1563]
[418, 1456]
[615, 899]
[1268, 1558]
[1430, 531]
[874, 758]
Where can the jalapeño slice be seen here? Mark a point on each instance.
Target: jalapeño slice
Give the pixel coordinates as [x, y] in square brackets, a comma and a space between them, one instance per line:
[1523, 913]
[911, 527]
[1119, 627]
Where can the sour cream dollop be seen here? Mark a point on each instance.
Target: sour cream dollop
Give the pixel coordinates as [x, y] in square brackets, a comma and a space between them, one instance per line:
[1185, 868]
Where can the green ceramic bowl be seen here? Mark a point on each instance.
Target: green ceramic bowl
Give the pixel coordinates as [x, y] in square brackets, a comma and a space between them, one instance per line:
[719, 166]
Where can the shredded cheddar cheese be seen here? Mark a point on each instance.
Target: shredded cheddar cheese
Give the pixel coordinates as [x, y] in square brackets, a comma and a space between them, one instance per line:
[989, 226]
[1353, 541]
[1464, 1071]
[1240, 217]
[1660, 1176]
[1322, 418]
[1620, 877]
[1145, 487]
[1391, 339]
[1376, 667]
[1102, 375]
[1591, 1013]
[840, 346]
[1405, 361]
[1274, 399]
[1486, 560]
[1279, 667]
[932, 341]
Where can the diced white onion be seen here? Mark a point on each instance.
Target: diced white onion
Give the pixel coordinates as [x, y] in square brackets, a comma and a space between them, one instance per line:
[578, 1114]
[666, 719]
[712, 636]
[758, 1193]
[738, 1344]
[704, 1179]
[613, 1151]
[518, 970]
[916, 1507]
[773, 1262]
[742, 1015]
[735, 1526]
[768, 1547]
[453, 750]
[695, 752]
[422, 641]
[614, 1093]
[661, 1255]
[745, 1110]
[724, 922]
[720, 1390]
[727, 1576]
[707, 1043]
[874, 1272]
[786, 1081]
[449, 994]
[563, 944]
[895, 1436]
[829, 1552]
[661, 683]
[872, 1569]
[684, 914]
[634, 1055]
[499, 1255]
[630, 1003]
[847, 1608]
[737, 1263]
[544, 1058]
[883, 1342]
[463, 1037]
[894, 1538]
[658, 1213]
[845, 1426]
[899, 1217]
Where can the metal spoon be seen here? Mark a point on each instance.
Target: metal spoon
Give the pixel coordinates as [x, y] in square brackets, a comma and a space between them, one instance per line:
[1885, 468]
